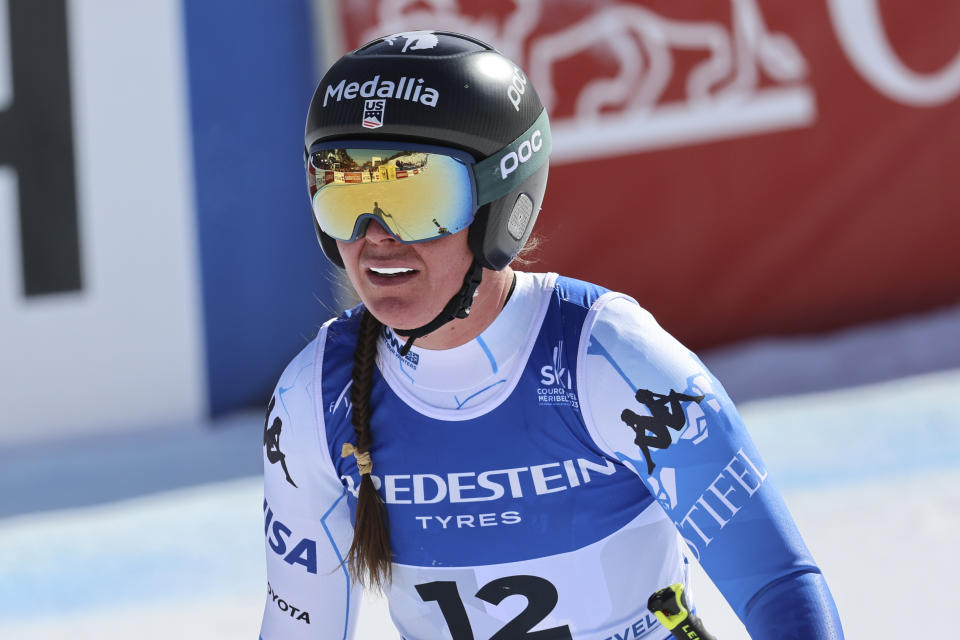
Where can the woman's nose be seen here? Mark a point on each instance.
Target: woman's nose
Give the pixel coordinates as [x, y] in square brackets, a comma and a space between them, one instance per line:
[376, 232]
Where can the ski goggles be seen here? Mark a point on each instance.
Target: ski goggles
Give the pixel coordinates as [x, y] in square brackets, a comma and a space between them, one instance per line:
[416, 192]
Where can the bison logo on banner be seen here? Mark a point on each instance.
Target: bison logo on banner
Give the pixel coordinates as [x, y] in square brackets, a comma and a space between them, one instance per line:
[631, 111]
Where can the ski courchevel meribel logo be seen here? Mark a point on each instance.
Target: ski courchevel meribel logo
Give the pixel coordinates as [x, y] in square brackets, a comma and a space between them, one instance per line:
[557, 382]
[414, 40]
[405, 88]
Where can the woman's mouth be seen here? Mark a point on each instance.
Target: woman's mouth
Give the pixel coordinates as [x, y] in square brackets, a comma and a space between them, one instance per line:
[391, 271]
[390, 275]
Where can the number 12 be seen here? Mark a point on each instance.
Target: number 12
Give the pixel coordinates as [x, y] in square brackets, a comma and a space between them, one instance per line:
[541, 598]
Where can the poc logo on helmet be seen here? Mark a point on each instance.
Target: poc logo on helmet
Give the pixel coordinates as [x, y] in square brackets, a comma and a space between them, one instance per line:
[518, 86]
[510, 162]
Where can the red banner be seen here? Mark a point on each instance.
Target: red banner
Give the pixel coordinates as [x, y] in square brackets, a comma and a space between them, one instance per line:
[741, 168]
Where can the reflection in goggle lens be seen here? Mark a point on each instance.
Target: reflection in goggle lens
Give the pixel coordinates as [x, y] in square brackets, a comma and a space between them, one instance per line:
[415, 195]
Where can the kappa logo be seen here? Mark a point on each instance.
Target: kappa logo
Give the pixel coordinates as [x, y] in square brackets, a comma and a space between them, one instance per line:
[665, 411]
[373, 113]
[414, 40]
[663, 480]
[271, 440]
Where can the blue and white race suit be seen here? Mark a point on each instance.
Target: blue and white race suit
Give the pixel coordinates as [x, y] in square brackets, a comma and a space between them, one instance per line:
[541, 481]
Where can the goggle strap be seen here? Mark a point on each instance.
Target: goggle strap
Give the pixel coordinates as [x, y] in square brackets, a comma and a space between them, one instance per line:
[500, 174]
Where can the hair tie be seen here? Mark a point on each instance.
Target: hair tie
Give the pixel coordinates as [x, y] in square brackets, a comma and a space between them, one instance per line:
[364, 463]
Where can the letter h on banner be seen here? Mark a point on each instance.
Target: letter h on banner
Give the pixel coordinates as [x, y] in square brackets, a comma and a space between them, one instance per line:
[36, 139]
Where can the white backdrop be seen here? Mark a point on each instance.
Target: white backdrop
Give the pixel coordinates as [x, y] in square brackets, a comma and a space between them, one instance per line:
[126, 351]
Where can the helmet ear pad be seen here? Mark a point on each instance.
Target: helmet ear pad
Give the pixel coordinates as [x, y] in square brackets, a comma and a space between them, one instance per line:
[329, 245]
[494, 238]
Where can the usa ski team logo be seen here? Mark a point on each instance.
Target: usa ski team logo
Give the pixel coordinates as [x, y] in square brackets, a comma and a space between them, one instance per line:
[373, 113]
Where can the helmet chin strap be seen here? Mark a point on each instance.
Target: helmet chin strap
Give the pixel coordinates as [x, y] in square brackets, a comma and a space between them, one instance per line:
[457, 307]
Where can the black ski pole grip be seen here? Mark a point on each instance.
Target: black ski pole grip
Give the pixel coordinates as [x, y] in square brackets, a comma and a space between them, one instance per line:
[670, 606]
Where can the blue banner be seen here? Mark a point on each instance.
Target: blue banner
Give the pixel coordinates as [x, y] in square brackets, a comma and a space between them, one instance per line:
[266, 285]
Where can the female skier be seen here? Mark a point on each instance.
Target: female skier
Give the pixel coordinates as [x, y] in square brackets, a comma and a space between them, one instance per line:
[506, 455]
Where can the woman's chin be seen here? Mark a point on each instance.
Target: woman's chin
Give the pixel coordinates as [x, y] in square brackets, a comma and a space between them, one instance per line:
[399, 315]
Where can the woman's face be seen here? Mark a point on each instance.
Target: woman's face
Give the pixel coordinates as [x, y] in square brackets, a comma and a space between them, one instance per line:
[405, 285]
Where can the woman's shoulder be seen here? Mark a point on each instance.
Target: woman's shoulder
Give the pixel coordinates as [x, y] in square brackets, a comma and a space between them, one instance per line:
[337, 331]
[567, 289]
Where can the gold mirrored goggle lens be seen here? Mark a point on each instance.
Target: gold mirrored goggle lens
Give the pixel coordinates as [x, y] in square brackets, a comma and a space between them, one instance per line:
[415, 195]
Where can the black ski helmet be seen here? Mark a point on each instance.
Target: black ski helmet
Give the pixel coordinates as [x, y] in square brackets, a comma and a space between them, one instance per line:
[451, 90]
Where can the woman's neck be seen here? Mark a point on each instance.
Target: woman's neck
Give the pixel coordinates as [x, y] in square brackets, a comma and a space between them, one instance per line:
[487, 303]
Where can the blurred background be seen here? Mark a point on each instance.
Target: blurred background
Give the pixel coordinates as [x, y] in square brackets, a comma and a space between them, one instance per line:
[776, 182]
